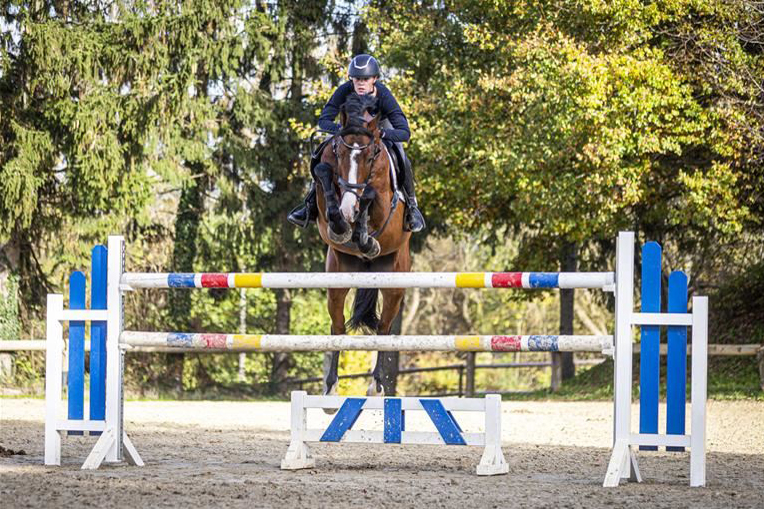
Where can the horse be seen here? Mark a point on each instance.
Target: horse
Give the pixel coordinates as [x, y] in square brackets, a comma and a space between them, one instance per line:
[361, 217]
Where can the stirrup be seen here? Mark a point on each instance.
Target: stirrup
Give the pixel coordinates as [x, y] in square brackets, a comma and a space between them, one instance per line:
[299, 216]
[302, 215]
[413, 220]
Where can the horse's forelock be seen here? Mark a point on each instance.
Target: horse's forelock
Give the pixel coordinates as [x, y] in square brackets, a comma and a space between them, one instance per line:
[356, 105]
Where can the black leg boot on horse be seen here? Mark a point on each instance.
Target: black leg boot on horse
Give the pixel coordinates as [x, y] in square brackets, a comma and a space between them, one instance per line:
[339, 230]
[368, 245]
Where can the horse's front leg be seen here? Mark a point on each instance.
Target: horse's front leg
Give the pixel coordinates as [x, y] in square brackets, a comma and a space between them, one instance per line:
[336, 303]
[339, 230]
[391, 305]
[369, 246]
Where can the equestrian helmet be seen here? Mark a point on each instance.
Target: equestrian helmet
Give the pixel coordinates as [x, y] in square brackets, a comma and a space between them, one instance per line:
[363, 66]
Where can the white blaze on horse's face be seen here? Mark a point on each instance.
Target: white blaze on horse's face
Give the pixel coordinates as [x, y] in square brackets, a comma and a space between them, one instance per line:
[350, 199]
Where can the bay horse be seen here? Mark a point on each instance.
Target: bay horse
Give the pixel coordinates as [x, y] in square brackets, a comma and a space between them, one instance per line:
[361, 217]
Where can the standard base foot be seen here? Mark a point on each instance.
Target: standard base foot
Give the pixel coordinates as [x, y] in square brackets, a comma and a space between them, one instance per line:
[623, 465]
[297, 457]
[492, 462]
[105, 442]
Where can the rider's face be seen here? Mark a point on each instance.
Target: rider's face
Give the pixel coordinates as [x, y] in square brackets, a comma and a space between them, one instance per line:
[364, 86]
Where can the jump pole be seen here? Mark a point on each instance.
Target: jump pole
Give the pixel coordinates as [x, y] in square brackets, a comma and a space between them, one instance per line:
[390, 343]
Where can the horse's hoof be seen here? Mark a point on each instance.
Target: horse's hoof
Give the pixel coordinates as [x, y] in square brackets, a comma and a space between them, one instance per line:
[374, 249]
[340, 238]
[375, 389]
[331, 392]
[363, 238]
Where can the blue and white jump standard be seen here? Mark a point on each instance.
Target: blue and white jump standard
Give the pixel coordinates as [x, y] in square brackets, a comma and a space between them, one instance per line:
[440, 411]
[109, 342]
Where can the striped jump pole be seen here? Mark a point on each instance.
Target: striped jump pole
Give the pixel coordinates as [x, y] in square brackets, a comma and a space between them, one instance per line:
[391, 343]
[528, 280]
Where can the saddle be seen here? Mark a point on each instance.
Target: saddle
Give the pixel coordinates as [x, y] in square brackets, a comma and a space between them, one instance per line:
[396, 158]
[396, 168]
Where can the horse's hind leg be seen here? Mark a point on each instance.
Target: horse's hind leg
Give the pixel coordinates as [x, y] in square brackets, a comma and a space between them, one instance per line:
[391, 304]
[331, 377]
[336, 304]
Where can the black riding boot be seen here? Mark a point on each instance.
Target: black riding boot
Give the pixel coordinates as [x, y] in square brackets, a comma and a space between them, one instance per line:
[306, 213]
[414, 222]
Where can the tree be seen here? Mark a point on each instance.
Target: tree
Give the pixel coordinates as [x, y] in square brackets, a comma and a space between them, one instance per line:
[572, 120]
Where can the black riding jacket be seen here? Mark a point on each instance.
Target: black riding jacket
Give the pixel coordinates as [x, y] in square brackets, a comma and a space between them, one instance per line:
[388, 107]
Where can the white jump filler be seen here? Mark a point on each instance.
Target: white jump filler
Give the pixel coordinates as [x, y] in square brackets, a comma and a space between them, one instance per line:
[440, 411]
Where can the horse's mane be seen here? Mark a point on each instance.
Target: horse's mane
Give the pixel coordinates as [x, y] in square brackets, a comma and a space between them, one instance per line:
[354, 108]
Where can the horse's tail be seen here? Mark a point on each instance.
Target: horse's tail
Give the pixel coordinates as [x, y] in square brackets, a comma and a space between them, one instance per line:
[364, 310]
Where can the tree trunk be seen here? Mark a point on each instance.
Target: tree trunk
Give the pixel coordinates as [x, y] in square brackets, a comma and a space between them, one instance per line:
[563, 367]
[470, 386]
[190, 211]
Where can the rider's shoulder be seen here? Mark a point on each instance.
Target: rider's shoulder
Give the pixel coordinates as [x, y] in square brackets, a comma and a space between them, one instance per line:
[382, 89]
[344, 90]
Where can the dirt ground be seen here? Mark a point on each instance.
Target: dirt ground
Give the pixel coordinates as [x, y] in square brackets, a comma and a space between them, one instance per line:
[228, 454]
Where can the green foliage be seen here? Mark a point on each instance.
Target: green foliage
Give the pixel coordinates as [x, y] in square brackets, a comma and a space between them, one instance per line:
[10, 322]
[577, 119]
[737, 306]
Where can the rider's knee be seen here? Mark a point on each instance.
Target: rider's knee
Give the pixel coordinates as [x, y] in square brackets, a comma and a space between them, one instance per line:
[315, 158]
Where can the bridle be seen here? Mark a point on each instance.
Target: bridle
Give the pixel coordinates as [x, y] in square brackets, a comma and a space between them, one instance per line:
[358, 189]
[346, 186]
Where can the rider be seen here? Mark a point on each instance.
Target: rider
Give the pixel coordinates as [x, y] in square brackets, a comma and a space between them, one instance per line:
[364, 75]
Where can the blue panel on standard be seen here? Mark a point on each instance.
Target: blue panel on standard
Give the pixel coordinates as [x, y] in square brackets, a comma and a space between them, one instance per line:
[649, 356]
[393, 421]
[543, 279]
[344, 420]
[443, 421]
[676, 362]
[98, 337]
[76, 376]
[180, 280]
